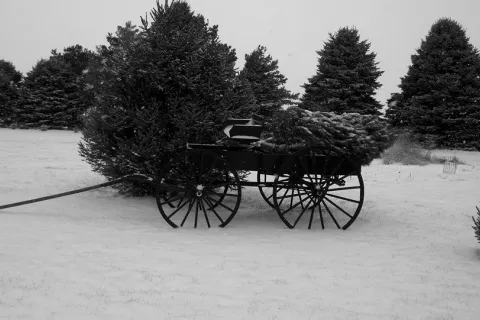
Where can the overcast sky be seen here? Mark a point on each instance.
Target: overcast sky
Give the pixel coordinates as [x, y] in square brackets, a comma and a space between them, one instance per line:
[292, 31]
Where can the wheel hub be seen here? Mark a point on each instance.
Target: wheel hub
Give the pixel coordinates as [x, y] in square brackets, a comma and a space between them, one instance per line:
[318, 191]
[199, 190]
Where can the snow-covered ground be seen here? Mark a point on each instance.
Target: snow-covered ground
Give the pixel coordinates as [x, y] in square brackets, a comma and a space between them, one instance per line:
[410, 255]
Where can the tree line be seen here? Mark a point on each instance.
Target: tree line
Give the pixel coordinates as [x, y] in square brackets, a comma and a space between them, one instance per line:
[171, 80]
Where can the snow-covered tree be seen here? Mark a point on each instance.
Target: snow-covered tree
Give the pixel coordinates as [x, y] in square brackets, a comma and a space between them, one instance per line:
[266, 82]
[10, 77]
[440, 94]
[347, 76]
[176, 84]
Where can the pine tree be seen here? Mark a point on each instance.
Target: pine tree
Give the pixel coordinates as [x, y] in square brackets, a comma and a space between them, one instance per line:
[346, 77]
[51, 96]
[103, 65]
[9, 81]
[176, 84]
[266, 82]
[8, 69]
[441, 90]
[76, 57]
[78, 60]
[54, 92]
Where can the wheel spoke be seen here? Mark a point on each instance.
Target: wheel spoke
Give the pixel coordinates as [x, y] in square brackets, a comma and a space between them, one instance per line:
[311, 218]
[343, 198]
[301, 214]
[298, 192]
[321, 215]
[344, 188]
[172, 199]
[205, 212]
[221, 204]
[283, 197]
[180, 207]
[309, 178]
[212, 207]
[223, 194]
[291, 208]
[196, 213]
[292, 195]
[192, 200]
[331, 215]
[181, 201]
[336, 206]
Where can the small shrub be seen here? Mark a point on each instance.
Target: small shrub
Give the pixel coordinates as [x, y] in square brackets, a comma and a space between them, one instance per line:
[476, 226]
[407, 151]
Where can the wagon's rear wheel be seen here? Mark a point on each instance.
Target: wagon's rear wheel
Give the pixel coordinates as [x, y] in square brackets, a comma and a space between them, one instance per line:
[199, 189]
[332, 196]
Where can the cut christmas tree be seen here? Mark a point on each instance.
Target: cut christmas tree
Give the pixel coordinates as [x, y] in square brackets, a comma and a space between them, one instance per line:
[362, 137]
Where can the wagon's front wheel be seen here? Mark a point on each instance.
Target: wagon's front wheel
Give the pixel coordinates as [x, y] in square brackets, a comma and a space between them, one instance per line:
[199, 189]
[332, 195]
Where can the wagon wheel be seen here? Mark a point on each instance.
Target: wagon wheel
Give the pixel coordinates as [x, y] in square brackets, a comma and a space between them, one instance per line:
[163, 194]
[332, 196]
[200, 187]
[266, 192]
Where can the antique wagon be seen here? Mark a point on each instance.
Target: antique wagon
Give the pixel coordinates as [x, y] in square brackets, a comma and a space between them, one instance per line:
[201, 185]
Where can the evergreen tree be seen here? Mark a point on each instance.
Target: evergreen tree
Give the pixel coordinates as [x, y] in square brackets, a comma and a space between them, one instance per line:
[8, 69]
[9, 80]
[441, 90]
[54, 93]
[266, 82]
[243, 103]
[346, 77]
[103, 64]
[78, 59]
[51, 96]
[176, 84]
[396, 111]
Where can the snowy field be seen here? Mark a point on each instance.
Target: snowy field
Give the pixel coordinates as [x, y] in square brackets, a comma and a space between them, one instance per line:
[410, 255]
